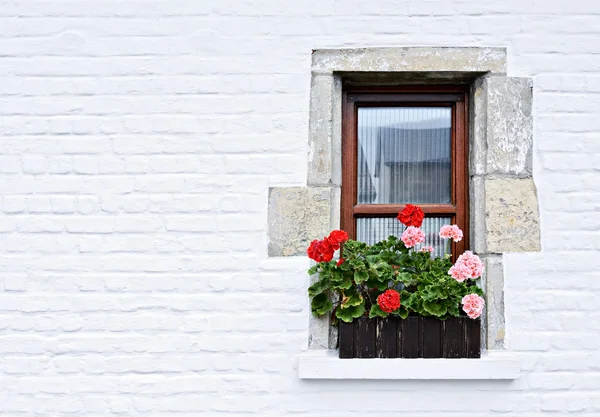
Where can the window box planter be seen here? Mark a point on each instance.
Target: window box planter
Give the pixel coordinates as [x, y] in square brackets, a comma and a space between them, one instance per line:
[413, 337]
[395, 299]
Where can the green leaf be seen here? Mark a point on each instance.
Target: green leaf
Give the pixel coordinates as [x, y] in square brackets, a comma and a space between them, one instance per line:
[360, 276]
[453, 310]
[435, 309]
[318, 287]
[377, 312]
[372, 258]
[351, 300]
[406, 299]
[341, 281]
[474, 289]
[350, 313]
[434, 292]
[321, 304]
[313, 269]
[402, 312]
[405, 277]
[344, 285]
[380, 285]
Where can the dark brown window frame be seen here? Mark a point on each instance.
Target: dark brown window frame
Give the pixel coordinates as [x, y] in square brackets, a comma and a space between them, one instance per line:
[454, 97]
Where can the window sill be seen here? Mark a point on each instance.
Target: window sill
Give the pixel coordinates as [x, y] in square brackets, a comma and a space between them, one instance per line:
[325, 364]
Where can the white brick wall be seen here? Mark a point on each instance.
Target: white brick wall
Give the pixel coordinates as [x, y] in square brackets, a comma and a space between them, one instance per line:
[138, 141]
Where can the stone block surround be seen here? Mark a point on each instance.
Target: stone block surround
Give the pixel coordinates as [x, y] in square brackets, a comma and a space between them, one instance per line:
[503, 201]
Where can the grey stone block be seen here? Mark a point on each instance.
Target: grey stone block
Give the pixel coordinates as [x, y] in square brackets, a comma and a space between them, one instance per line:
[478, 127]
[297, 216]
[495, 330]
[410, 59]
[509, 125]
[320, 149]
[501, 126]
[512, 221]
[477, 232]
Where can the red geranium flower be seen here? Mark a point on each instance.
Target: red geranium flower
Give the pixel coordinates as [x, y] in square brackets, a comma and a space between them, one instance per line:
[389, 301]
[313, 250]
[411, 216]
[327, 250]
[320, 250]
[341, 261]
[336, 238]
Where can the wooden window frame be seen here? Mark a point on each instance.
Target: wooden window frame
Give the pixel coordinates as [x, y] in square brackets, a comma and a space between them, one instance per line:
[454, 97]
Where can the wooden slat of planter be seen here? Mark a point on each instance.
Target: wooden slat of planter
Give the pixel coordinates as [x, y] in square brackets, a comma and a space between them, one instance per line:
[411, 334]
[453, 337]
[473, 338]
[432, 337]
[386, 338]
[346, 339]
[364, 338]
[414, 337]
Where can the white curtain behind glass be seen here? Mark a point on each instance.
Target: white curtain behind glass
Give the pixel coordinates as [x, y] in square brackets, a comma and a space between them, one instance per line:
[404, 155]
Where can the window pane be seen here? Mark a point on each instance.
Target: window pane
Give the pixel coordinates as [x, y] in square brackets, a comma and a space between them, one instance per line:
[373, 229]
[404, 155]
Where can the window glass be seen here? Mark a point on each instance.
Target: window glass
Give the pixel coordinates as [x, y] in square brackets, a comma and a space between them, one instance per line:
[404, 155]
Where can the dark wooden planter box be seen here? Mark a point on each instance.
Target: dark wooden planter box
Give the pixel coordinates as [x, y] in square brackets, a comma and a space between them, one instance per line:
[413, 337]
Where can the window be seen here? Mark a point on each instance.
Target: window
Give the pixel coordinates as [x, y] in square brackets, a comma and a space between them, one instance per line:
[500, 188]
[402, 146]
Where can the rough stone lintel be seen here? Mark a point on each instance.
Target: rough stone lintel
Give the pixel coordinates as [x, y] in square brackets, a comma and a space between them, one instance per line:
[410, 59]
[512, 222]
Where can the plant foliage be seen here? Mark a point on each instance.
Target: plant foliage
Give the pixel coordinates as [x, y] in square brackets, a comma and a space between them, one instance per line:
[426, 288]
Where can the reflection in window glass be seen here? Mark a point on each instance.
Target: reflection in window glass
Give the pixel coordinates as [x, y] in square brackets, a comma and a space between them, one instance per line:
[404, 155]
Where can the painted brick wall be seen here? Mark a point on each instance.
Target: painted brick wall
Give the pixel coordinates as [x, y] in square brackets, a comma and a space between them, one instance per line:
[138, 140]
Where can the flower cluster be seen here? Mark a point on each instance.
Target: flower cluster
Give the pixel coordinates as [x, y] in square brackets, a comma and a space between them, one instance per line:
[370, 280]
[323, 250]
[412, 236]
[389, 301]
[427, 249]
[473, 305]
[468, 265]
[411, 216]
[451, 232]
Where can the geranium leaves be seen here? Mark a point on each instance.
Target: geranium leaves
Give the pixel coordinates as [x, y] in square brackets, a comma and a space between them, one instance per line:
[351, 299]
[402, 312]
[377, 312]
[318, 287]
[424, 284]
[321, 304]
[360, 276]
[437, 309]
[350, 313]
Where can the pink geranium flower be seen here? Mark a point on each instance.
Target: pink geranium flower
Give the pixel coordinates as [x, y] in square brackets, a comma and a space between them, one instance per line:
[412, 236]
[427, 249]
[473, 305]
[451, 232]
[468, 265]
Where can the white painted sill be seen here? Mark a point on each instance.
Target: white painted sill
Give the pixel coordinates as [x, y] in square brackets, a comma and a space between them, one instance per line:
[325, 364]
